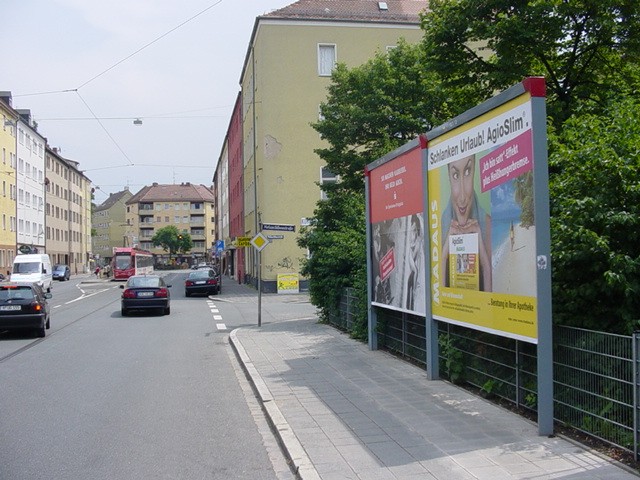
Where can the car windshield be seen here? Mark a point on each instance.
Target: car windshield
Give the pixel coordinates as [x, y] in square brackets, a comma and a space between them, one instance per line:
[15, 293]
[199, 274]
[59, 268]
[26, 267]
[144, 282]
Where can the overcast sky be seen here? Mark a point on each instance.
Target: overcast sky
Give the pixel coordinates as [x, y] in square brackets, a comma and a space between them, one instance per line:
[67, 61]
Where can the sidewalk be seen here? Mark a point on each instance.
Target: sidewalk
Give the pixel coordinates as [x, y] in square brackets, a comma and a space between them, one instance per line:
[345, 412]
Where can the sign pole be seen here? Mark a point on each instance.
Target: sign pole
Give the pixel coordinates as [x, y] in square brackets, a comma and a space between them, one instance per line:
[259, 242]
[259, 288]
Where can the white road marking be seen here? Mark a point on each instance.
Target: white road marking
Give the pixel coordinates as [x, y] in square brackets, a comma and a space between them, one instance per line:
[217, 317]
[221, 326]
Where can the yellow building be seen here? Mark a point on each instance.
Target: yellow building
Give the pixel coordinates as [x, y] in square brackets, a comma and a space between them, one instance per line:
[8, 130]
[188, 207]
[110, 228]
[284, 80]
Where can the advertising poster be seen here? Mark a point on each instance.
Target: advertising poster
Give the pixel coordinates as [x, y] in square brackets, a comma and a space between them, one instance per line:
[288, 283]
[481, 223]
[398, 260]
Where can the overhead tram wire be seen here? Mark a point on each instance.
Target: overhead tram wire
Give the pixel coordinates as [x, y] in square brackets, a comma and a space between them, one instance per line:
[149, 44]
[104, 128]
[76, 90]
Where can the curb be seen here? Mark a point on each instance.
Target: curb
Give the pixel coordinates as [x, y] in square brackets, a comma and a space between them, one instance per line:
[300, 462]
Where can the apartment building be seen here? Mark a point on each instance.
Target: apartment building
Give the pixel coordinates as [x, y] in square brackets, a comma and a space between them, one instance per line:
[8, 141]
[30, 184]
[189, 207]
[109, 224]
[68, 212]
[286, 72]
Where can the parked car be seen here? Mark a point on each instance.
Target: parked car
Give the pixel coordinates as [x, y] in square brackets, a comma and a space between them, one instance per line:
[24, 306]
[61, 272]
[203, 281]
[145, 292]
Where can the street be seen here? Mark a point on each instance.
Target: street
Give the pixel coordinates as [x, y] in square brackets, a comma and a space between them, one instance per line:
[145, 396]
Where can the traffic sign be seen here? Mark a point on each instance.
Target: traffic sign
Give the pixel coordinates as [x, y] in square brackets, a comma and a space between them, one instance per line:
[259, 242]
[278, 227]
[243, 241]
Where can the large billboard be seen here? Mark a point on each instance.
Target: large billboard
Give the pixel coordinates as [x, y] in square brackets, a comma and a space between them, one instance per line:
[397, 238]
[482, 226]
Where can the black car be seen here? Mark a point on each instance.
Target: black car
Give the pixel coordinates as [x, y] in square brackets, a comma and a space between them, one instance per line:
[61, 272]
[202, 281]
[24, 306]
[146, 292]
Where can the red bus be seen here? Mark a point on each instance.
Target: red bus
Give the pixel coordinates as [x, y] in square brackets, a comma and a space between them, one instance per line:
[129, 261]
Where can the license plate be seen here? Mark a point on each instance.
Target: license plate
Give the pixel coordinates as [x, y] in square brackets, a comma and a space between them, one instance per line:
[10, 307]
[145, 294]
[202, 282]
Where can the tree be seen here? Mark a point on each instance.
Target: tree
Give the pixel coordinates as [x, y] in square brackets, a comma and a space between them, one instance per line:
[336, 240]
[582, 48]
[595, 219]
[370, 110]
[172, 240]
[377, 107]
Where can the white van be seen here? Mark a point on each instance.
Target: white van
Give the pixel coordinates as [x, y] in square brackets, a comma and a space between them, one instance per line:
[33, 268]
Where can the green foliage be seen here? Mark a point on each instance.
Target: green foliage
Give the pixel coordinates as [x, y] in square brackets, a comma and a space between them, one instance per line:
[581, 48]
[595, 219]
[370, 110]
[377, 107]
[453, 359]
[335, 241]
[172, 240]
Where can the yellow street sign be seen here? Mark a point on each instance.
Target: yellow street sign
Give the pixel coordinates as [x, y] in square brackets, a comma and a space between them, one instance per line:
[259, 242]
[243, 241]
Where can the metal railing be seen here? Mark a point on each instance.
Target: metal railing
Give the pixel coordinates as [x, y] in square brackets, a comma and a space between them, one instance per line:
[596, 379]
[345, 316]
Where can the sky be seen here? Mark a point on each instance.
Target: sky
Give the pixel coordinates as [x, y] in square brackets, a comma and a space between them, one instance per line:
[88, 69]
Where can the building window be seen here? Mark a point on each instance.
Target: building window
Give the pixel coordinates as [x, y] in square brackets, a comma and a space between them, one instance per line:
[326, 59]
[326, 176]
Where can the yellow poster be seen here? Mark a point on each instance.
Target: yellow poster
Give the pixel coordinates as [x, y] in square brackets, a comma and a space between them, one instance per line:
[288, 283]
[482, 233]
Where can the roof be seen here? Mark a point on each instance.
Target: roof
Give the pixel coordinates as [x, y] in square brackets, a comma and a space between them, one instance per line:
[112, 200]
[185, 192]
[398, 12]
[370, 11]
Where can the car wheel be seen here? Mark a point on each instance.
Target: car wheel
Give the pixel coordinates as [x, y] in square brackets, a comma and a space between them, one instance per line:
[187, 294]
[124, 312]
[48, 325]
[167, 310]
[40, 332]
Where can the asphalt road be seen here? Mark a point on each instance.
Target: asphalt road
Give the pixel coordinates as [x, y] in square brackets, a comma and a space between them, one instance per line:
[139, 397]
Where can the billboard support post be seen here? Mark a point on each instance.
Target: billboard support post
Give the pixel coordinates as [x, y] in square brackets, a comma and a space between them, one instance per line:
[372, 319]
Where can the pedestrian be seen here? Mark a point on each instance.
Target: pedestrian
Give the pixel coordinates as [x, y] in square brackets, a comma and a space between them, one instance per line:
[97, 271]
[512, 236]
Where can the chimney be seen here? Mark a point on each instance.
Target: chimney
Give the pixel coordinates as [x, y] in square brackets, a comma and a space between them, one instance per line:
[7, 98]
[25, 115]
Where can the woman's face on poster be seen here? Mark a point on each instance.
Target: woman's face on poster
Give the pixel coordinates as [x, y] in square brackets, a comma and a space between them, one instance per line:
[461, 174]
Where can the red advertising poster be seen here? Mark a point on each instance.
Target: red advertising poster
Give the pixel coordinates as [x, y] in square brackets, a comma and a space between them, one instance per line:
[397, 187]
[398, 233]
